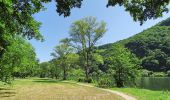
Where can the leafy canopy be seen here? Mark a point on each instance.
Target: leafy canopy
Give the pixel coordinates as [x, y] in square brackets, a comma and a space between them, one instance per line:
[140, 10]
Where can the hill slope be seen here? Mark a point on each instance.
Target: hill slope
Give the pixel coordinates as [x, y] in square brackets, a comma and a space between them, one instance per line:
[152, 46]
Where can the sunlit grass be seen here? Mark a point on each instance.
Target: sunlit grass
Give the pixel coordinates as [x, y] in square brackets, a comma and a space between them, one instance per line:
[144, 94]
[48, 89]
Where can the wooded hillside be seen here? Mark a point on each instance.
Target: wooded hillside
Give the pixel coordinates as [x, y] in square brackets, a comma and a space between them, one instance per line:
[152, 46]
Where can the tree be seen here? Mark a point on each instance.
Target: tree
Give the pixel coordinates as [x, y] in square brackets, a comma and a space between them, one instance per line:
[84, 35]
[17, 18]
[19, 59]
[156, 61]
[61, 53]
[44, 70]
[55, 70]
[140, 10]
[125, 65]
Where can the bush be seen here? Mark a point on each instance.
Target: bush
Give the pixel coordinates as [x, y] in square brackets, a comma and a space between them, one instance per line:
[168, 73]
[80, 79]
[158, 74]
[89, 80]
[146, 73]
[76, 74]
[105, 82]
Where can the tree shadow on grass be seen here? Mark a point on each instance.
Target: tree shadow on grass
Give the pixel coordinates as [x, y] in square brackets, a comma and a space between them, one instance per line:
[45, 80]
[6, 92]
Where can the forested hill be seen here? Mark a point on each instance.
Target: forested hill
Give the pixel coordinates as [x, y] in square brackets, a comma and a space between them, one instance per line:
[152, 46]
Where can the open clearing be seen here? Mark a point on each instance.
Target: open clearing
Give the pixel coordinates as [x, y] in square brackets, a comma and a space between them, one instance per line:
[46, 89]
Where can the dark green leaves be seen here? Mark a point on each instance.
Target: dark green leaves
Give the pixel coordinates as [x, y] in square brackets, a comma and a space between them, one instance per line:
[16, 17]
[140, 10]
[64, 6]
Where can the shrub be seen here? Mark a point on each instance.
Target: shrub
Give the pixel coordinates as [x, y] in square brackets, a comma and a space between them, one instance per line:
[89, 80]
[80, 79]
[146, 73]
[158, 74]
[77, 75]
[105, 82]
[168, 73]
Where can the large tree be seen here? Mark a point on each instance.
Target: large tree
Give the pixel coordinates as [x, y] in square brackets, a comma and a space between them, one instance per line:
[16, 17]
[18, 60]
[84, 35]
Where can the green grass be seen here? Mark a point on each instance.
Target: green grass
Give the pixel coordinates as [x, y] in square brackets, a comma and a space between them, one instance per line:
[48, 89]
[42, 89]
[144, 94]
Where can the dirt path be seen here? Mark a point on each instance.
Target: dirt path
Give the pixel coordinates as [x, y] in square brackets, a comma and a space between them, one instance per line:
[125, 96]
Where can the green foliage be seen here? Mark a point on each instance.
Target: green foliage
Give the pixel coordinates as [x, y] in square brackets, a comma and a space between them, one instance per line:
[158, 74]
[65, 57]
[76, 74]
[146, 73]
[16, 17]
[19, 59]
[125, 66]
[151, 46]
[84, 35]
[140, 10]
[168, 73]
[105, 80]
[44, 70]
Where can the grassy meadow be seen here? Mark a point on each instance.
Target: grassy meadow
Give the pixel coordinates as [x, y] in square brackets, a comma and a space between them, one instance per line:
[48, 89]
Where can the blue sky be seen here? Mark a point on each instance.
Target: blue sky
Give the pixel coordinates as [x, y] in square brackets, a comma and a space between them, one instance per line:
[120, 25]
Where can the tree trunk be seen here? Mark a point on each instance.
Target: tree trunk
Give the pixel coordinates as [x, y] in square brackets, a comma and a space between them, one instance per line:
[119, 81]
[56, 76]
[86, 72]
[64, 73]
[87, 65]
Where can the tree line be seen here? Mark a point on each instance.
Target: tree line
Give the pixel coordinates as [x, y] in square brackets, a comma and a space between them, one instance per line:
[78, 58]
[119, 64]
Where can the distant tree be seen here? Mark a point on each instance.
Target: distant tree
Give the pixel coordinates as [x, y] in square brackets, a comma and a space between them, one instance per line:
[61, 53]
[155, 61]
[55, 69]
[44, 70]
[84, 35]
[124, 64]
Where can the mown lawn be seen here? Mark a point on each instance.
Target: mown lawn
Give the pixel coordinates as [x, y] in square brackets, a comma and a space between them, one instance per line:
[48, 89]
[144, 94]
